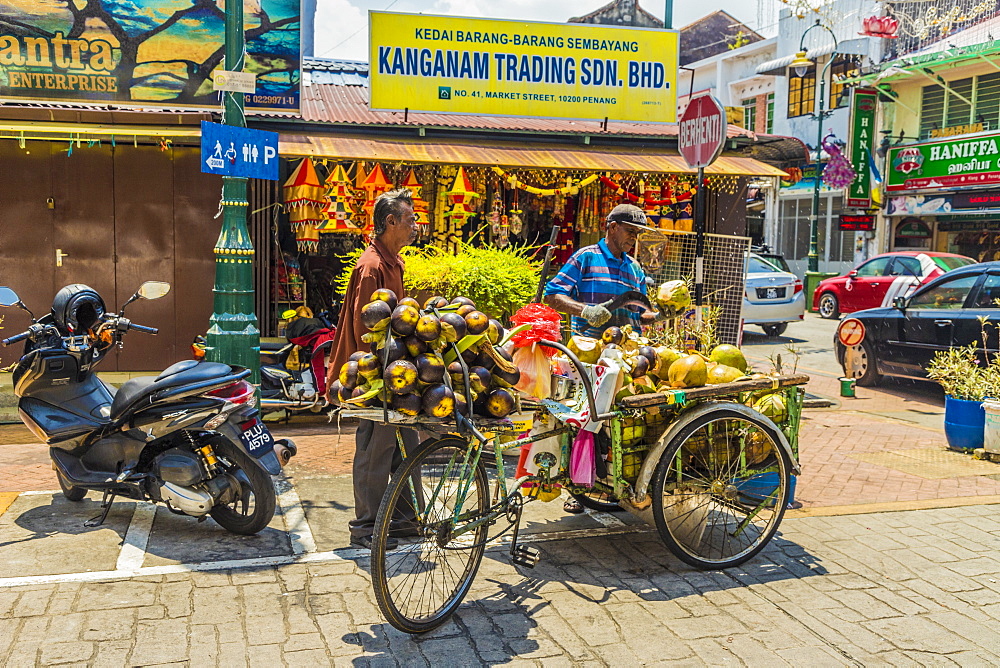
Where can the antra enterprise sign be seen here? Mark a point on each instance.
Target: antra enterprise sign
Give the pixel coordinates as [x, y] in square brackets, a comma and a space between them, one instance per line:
[447, 64]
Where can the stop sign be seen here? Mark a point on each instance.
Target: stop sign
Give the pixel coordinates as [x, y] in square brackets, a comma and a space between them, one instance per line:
[702, 131]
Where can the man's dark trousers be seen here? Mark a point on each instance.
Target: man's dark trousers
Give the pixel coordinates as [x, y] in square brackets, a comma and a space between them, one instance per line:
[376, 456]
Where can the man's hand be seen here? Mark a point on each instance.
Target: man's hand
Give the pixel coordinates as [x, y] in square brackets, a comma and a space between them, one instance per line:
[596, 314]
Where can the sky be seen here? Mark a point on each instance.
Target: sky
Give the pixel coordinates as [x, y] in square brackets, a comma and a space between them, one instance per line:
[342, 25]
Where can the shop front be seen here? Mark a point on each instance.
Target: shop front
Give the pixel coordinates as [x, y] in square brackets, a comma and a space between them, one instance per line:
[944, 195]
[500, 194]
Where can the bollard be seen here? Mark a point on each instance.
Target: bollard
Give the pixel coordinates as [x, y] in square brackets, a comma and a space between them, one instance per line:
[847, 387]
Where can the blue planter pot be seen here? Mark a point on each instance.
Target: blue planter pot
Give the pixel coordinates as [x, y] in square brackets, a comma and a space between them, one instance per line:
[964, 422]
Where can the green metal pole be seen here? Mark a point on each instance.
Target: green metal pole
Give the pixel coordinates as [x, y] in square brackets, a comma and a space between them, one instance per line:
[233, 336]
[813, 256]
[668, 15]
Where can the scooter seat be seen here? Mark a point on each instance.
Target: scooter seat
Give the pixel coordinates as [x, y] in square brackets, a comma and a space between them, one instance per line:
[181, 373]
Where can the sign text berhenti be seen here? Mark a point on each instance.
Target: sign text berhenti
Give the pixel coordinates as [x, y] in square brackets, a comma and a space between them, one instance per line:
[970, 161]
[446, 64]
[702, 131]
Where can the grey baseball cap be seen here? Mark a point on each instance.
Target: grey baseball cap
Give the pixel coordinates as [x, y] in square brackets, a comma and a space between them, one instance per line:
[629, 214]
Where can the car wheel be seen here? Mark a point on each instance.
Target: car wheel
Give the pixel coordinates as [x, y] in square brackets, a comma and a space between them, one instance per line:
[863, 368]
[829, 306]
[777, 329]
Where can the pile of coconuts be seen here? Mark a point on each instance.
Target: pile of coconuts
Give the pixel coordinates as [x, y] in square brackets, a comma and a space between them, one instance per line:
[412, 365]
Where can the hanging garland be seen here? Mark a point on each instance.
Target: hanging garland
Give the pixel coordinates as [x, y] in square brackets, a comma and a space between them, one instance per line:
[632, 197]
[571, 189]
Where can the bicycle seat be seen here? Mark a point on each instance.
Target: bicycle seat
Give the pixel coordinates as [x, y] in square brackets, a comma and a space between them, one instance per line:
[181, 373]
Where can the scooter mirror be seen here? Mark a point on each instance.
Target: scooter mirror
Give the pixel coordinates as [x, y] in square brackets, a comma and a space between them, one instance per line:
[153, 289]
[8, 297]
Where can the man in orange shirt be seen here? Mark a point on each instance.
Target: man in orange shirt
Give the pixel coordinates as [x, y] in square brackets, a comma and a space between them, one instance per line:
[376, 453]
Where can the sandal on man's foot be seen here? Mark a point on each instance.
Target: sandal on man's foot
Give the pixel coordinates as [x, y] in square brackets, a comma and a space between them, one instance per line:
[572, 506]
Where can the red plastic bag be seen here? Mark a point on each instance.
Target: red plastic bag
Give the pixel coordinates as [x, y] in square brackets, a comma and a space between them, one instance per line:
[544, 327]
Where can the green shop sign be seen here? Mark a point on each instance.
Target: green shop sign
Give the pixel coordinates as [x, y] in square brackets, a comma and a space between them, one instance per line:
[862, 128]
[969, 161]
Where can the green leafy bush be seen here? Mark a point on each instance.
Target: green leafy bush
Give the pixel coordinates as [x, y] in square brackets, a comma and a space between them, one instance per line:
[498, 280]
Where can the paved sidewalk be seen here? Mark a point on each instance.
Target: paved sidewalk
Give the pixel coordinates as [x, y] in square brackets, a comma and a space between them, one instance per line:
[890, 589]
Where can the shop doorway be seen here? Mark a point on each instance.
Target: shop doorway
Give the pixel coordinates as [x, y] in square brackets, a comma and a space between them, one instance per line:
[912, 234]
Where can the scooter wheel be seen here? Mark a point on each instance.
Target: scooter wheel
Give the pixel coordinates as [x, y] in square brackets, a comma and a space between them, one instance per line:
[254, 510]
[69, 491]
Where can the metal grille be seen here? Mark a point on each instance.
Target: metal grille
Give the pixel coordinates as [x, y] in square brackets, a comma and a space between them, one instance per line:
[668, 255]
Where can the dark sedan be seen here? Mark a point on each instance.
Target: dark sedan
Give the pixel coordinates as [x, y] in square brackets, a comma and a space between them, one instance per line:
[901, 340]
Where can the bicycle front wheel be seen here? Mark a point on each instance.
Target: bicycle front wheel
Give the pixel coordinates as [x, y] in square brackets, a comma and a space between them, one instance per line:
[432, 507]
[721, 487]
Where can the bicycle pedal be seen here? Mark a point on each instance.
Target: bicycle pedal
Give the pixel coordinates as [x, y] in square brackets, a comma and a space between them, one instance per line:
[525, 556]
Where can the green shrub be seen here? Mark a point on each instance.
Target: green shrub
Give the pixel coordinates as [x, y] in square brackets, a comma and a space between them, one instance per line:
[498, 280]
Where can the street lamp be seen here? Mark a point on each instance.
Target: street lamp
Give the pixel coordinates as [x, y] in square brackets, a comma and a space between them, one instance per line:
[801, 65]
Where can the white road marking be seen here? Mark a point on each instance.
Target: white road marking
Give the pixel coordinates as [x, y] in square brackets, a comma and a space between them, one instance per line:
[296, 526]
[348, 554]
[134, 546]
[43, 492]
[606, 519]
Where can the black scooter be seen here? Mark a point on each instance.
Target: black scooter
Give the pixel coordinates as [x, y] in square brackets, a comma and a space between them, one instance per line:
[190, 438]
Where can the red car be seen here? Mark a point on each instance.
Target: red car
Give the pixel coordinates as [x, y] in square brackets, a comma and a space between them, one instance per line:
[881, 279]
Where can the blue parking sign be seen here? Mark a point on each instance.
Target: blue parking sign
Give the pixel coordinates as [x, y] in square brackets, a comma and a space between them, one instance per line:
[227, 150]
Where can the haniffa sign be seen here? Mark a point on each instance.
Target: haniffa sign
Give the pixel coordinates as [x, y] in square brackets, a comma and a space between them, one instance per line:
[862, 133]
[445, 64]
[971, 160]
[143, 52]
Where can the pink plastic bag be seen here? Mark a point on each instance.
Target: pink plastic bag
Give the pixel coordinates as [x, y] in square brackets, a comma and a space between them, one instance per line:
[581, 460]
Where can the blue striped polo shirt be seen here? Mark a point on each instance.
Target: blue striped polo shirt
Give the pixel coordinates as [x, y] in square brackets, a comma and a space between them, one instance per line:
[594, 275]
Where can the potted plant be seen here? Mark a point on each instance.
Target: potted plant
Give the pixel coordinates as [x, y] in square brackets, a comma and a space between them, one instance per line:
[967, 379]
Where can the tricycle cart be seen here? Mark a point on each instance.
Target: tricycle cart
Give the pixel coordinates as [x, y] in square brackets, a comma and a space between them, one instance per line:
[710, 472]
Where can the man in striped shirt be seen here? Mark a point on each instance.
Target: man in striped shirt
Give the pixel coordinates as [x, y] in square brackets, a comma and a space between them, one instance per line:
[596, 274]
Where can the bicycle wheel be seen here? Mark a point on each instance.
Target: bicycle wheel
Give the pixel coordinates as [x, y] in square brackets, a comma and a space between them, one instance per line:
[434, 495]
[721, 487]
[595, 499]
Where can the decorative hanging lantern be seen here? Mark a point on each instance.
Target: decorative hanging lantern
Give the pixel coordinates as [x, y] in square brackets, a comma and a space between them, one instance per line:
[307, 239]
[880, 26]
[374, 185]
[420, 206]
[303, 187]
[460, 195]
[838, 172]
[339, 209]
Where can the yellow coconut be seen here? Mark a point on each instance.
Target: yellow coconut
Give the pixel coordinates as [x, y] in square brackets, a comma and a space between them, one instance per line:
[720, 373]
[587, 349]
[730, 356]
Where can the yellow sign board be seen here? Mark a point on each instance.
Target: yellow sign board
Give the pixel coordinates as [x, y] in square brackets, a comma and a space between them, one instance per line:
[457, 65]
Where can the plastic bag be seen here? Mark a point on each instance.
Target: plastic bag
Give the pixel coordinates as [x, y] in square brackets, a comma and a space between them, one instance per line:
[544, 324]
[536, 376]
[581, 460]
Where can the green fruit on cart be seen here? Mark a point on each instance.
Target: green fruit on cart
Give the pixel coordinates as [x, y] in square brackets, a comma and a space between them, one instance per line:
[673, 296]
[720, 373]
[664, 358]
[730, 356]
[773, 406]
[688, 371]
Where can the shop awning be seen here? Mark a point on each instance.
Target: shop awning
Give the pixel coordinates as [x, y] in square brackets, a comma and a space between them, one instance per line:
[505, 154]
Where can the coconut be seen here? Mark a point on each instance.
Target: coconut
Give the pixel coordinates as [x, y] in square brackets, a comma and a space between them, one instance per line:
[500, 403]
[773, 406]
[688, 371]
[587, 349]
[401, 377]
[376, 315]
[664, 358]
[720, 373]
[730, 356]
[438, 401]
[673, 296]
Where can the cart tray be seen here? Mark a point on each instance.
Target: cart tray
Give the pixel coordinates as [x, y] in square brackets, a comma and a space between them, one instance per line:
[424, 422]
[682, 396]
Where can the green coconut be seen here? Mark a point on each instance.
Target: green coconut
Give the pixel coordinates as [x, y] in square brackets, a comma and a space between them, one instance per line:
[730, 356]
[773, 406]
[673, 296]
[664, 358]
[720, 373]
[688, 371]
[587, 349]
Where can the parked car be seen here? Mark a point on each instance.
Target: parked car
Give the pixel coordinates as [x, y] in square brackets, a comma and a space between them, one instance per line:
[772, 298]
[900, 340]
[881, 279]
